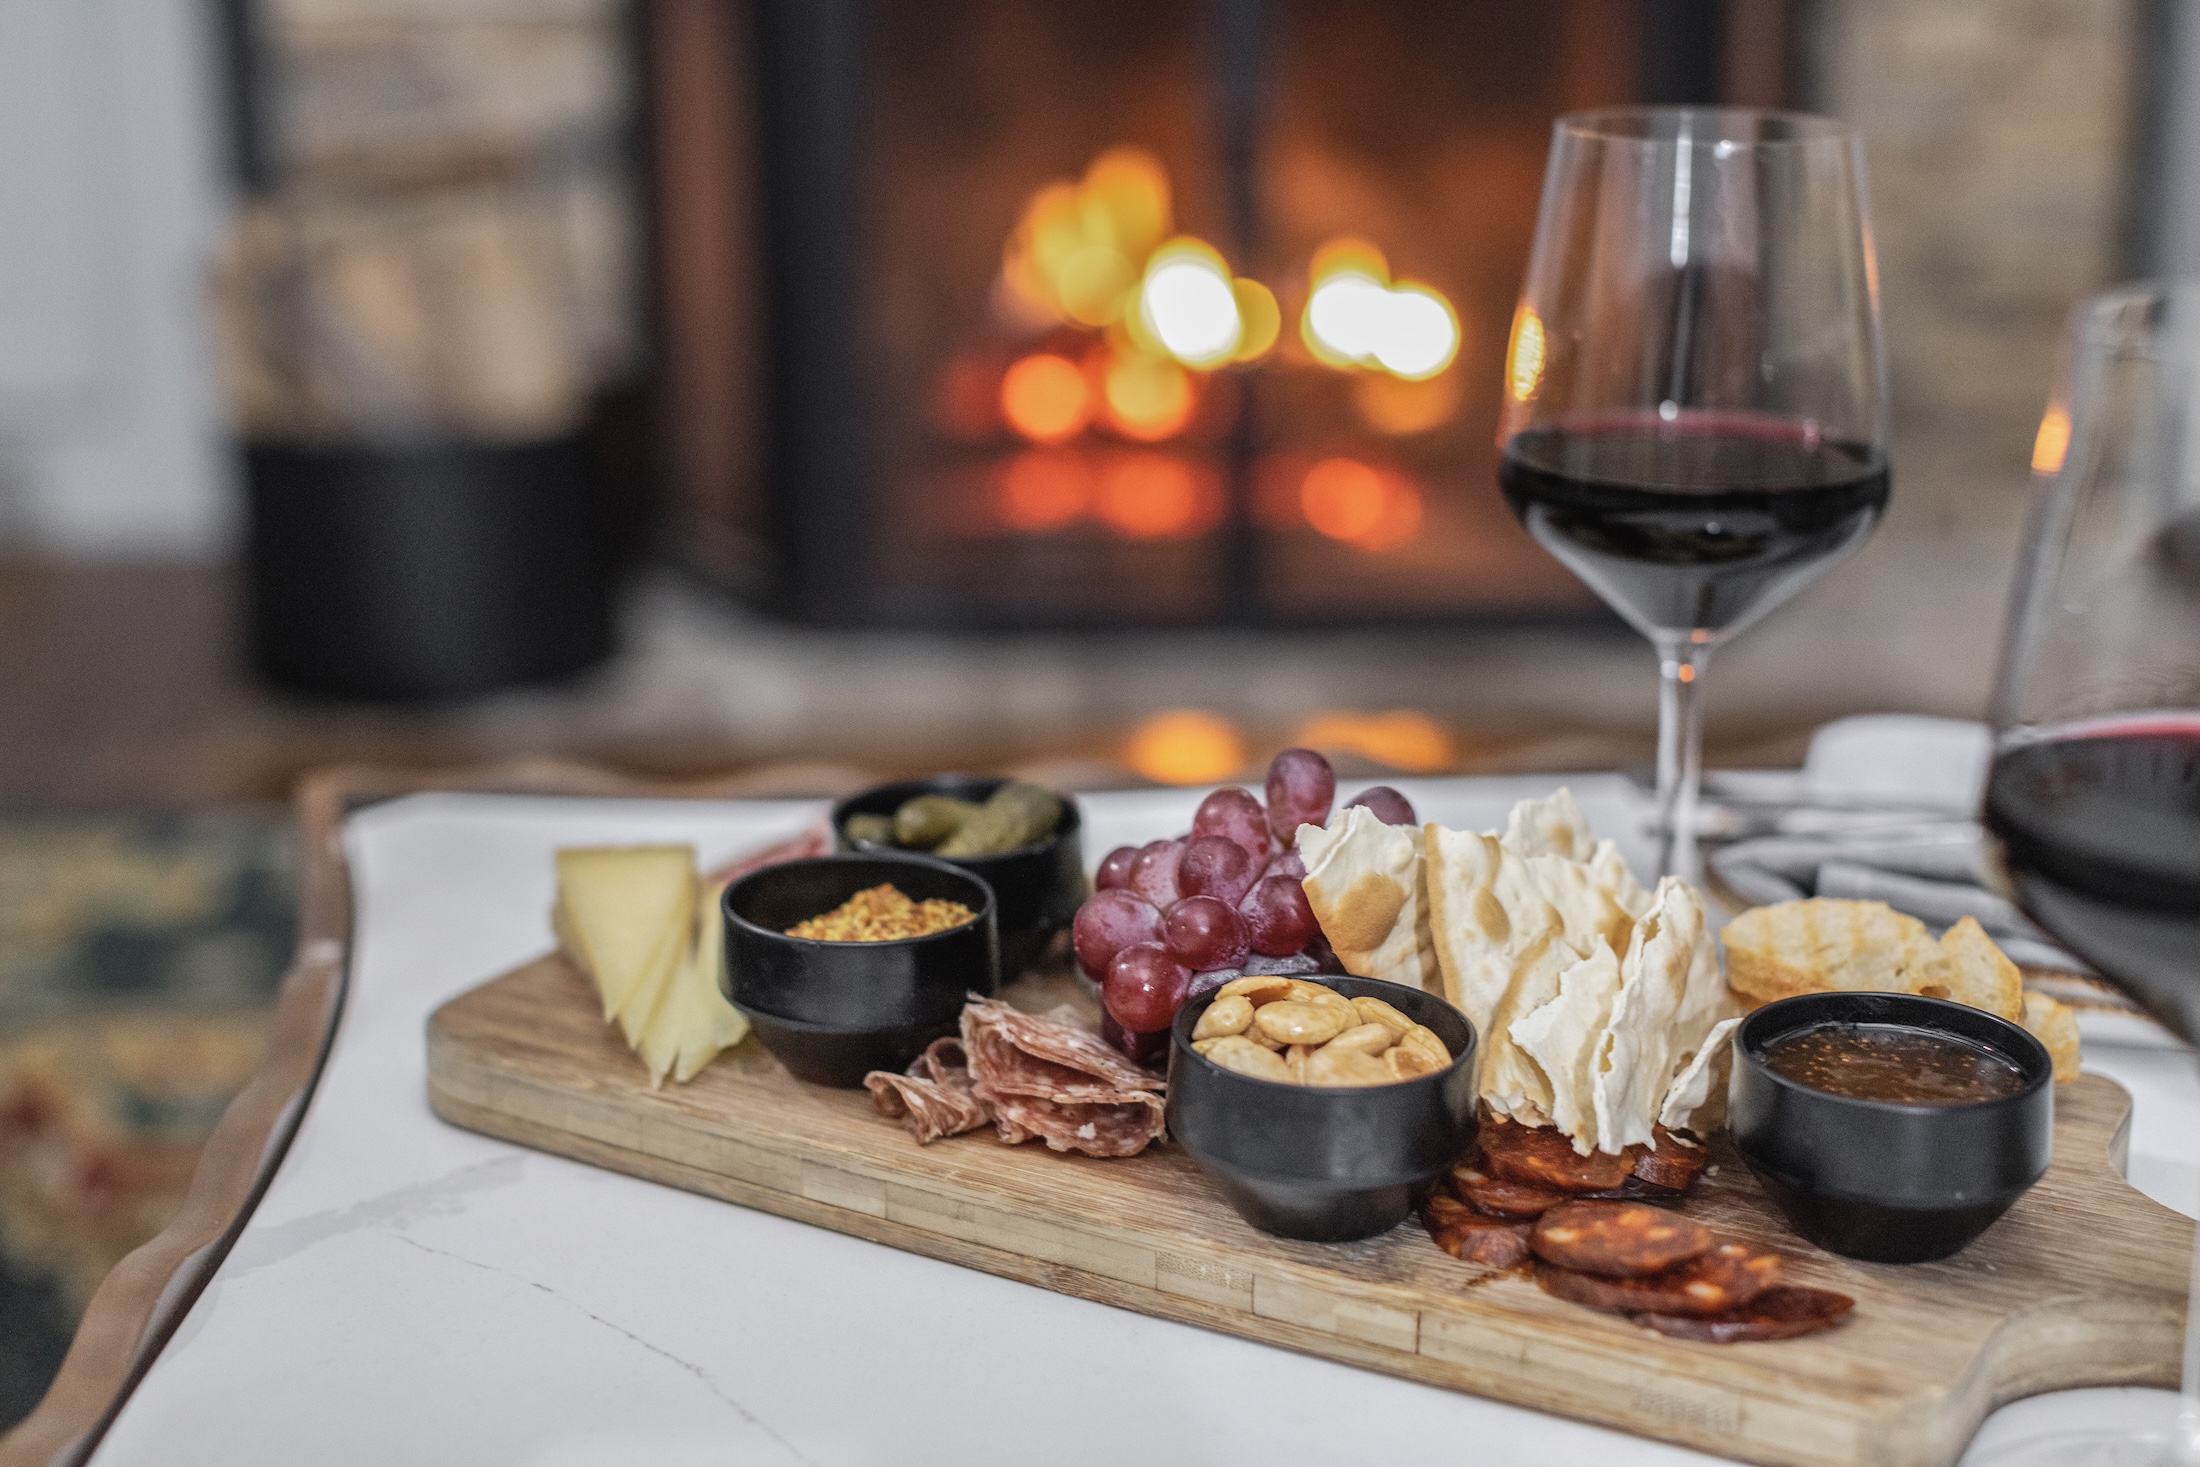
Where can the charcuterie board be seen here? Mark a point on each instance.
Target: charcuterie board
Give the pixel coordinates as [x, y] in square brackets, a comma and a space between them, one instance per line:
[2082, 1283]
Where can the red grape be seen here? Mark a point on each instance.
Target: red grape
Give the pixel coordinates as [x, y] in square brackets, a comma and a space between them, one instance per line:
[1115, 870]
[1144, 987]
[1290, 864]
[1235, 814]
[1278, 921]
[1109, 922]
[1324, 956]
[1389, 806]
[1205, 933]
[1216, 866]
[1301, 787]
[1143, 1049]
[1153, 871]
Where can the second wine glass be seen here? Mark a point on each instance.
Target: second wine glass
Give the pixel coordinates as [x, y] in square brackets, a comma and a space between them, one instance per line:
[1695, 415]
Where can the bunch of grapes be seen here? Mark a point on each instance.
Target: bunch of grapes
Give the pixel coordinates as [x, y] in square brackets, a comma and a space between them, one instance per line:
[1171, 919]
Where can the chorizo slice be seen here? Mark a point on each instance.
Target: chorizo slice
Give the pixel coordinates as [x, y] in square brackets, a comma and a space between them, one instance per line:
[1618, 1239]
[1776, 1314]
[1669, 1162]
[1520, 1201]
[1488, 1241]
[1544, 1156]
[1731, 1274]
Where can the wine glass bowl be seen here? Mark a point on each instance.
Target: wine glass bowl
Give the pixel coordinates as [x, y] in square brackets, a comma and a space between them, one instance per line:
[1695, 415]
[2092, 805]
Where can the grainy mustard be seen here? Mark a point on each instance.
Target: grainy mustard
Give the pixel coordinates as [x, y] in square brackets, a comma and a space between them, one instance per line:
[882, 914]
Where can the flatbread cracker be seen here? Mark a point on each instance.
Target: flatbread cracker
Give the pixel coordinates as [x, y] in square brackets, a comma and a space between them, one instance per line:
[1553, 826]
[1696, 1100]
[1512, 1082]
[1484, 912]
[1566, 1037]
[1639, 1053]
[1364, 882]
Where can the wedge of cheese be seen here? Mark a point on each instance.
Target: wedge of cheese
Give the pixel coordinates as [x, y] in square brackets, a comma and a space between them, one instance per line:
[624, 914]
[692, 1021]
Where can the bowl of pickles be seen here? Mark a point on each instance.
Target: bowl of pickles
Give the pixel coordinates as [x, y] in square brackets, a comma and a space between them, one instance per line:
[1024, 841]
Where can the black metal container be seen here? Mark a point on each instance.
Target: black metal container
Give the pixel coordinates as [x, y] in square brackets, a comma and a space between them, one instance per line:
[437, 570]
[1038, 888]
[1880, 1180]
[852, 987]
[1325, 1164]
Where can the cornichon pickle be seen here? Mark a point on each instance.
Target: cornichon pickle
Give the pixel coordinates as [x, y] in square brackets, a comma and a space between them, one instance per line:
[925, 821]
[1017, 815]
[878, 829]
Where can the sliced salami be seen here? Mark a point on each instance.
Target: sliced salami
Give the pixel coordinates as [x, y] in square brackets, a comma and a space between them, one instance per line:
[1055, 1079]
[1618, 1239]
[1776, 1314]
[935, 1098]
[1731, 1274]
[1544, 1156]
[1670, 1163]
[1519, 1201]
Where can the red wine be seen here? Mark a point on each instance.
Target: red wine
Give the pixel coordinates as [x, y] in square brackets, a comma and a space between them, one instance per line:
[2099, 832]
[1705, 522]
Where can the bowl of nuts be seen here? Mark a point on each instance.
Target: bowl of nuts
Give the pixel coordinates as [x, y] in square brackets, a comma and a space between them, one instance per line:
[1321, 1109]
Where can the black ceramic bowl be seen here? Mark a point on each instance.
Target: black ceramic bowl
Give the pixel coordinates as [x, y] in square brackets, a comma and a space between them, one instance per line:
[1876, 1179]
[1038, 888]
[866, 987]
[842, 1057]
[1329, 1165]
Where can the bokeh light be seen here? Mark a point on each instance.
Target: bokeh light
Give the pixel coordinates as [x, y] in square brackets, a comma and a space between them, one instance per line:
[1399, 407]
[1151, 496]
[2052, 442]
[1356, 317]
[1186, 746]
[1044, 397]
[1147, 398]
[1078, 248]
[1401, 738]
[1043, 489]
[1186, 303]
[1359, 505]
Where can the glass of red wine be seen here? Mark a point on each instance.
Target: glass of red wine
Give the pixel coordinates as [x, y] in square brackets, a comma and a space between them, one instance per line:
[2093, 801]
[1695, 414]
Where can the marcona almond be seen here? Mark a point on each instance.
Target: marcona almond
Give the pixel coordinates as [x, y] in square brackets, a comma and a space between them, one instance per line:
[1224, 1016]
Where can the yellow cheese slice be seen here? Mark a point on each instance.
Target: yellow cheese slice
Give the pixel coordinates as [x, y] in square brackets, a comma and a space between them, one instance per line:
[694, 1022]
[618, 906]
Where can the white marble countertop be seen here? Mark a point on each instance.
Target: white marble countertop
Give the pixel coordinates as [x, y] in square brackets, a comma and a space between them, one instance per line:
[410, 1292]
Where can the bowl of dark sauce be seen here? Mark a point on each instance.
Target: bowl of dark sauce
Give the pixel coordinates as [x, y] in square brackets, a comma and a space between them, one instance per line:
[1890, 1127]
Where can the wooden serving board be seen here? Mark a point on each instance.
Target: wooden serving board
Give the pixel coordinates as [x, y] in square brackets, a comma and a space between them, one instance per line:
[2082, 1283]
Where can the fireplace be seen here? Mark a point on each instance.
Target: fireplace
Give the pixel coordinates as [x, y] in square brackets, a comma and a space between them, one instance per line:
[1032, 313]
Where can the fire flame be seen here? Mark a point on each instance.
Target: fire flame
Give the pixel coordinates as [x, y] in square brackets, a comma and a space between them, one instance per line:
[2053, 442]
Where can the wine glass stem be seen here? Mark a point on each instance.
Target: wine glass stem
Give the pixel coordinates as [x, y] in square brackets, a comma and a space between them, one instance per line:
[1682, 657]
[2184, 1442]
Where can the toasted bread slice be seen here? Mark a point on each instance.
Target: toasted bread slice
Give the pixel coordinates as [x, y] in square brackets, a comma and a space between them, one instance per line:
[2056, 1026]
[1970, 969]
[1810, 947]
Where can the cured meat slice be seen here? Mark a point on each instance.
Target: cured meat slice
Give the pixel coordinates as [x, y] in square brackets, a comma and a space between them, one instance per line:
[1544, 1156]
[1776, 1314]
[1730, 1274]
[1474, 1237]
[1618, 1239]
[1054, 1078]
[1499, 1198]
[1669, 1162]
[935, 1098]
